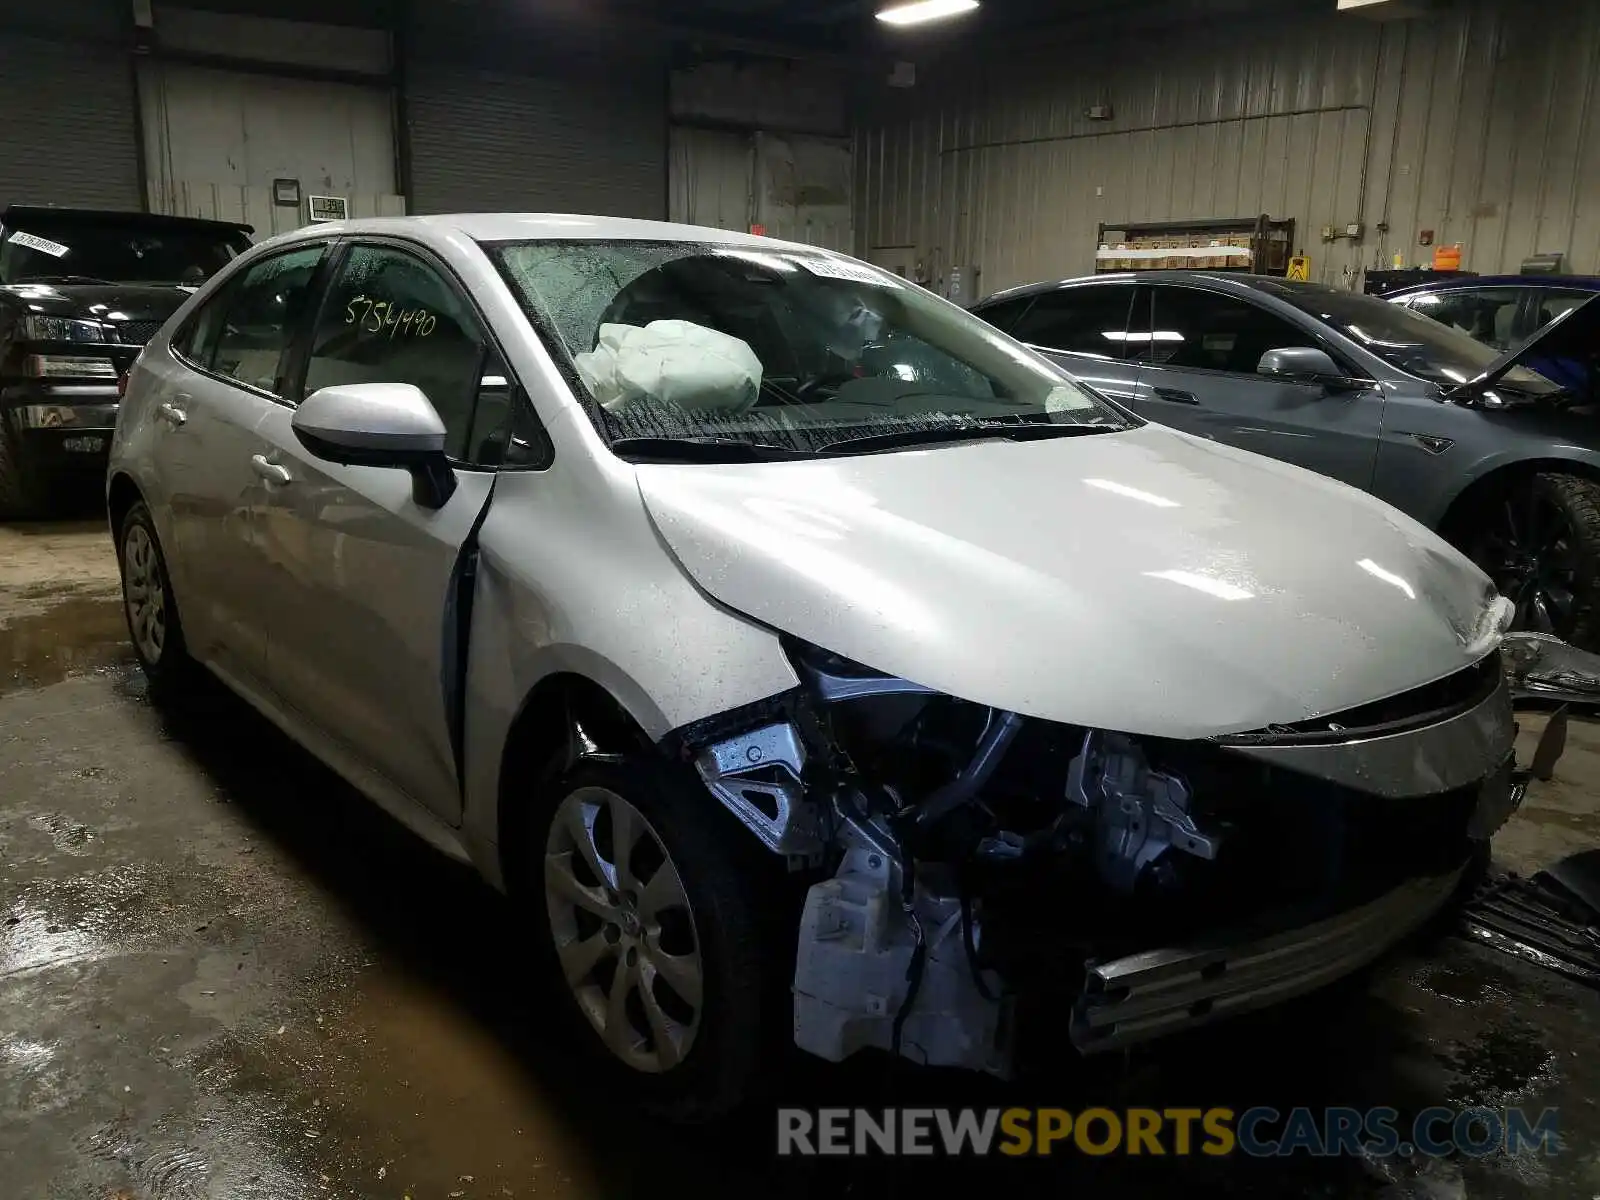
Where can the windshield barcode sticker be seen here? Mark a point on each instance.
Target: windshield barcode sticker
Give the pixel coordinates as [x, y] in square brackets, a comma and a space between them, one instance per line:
[838, 268]
[54, 249]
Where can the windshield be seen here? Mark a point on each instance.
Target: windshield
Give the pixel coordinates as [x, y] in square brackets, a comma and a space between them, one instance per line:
[75, 250]
[799, 350]
[1414, 343]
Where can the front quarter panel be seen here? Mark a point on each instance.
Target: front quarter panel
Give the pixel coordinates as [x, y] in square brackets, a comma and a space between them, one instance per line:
[1422, 480]
[572, 578]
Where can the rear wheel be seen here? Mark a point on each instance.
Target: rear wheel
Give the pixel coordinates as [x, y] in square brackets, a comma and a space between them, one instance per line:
[653, 927]
[1540, 543]
[21, 491]
[147, 603]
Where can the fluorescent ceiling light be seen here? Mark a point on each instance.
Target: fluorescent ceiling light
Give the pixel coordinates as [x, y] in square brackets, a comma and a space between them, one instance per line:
[922, 11]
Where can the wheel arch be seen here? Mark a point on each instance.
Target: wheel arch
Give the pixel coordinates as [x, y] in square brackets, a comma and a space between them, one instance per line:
[1489, 486]
[122, 493]
[544, 739]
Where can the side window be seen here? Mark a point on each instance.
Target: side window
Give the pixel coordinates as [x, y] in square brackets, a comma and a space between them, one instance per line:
[390, 317]
[245, 329]
[1550, 303]
[1004, 315]
[1194, 329]
[1487, 314]
[1079, 320]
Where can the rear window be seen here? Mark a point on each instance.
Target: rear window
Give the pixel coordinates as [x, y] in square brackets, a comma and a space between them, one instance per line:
[78, 249]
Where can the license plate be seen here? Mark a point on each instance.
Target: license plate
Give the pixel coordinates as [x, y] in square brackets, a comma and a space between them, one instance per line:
[83, 445]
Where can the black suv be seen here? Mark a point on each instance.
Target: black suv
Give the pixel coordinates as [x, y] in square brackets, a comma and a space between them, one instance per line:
[80, 293]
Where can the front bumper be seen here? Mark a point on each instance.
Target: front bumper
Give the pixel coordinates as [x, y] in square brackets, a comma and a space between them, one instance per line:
[1159, 992]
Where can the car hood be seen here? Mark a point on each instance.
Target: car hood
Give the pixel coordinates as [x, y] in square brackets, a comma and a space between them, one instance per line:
[115, 302]
[1144, 581]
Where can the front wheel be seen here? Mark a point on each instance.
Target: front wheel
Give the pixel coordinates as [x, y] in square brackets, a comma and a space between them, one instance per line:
[653, 927]
[1540, 543]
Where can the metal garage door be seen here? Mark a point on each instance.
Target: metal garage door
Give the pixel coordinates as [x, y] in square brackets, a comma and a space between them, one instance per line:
[578, 141]
[67, 135]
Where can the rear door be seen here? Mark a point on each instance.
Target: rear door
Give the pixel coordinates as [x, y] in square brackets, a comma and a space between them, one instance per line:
[363, 644]
[1199, 352]
[229, 362]
[1083, 327]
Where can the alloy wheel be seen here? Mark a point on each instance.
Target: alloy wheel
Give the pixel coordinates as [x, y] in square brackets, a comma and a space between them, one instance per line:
[144, 593]
[624, 930]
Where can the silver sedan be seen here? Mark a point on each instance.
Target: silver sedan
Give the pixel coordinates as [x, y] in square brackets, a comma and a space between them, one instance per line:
[810, 659]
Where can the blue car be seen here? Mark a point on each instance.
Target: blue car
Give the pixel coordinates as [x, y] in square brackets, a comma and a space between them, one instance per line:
[1504, 311]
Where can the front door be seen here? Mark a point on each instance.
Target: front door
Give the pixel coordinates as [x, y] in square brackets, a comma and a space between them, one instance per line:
[1200, 350]
[225, 377]
[1084, 329]
[364, 648]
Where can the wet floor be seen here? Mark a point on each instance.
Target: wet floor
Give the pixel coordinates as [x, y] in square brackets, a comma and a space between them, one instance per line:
[224, 976]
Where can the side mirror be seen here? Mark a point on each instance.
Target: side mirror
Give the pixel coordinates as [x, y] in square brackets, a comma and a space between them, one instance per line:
[379, 425]
[1306, 364]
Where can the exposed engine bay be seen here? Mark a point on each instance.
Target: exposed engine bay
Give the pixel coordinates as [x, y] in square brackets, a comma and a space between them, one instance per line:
[983, 878]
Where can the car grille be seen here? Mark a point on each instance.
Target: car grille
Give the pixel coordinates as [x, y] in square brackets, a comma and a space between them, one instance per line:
[137, 333]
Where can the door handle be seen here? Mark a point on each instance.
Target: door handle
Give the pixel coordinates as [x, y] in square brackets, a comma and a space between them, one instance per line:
[172, 413]
[1172, 395]
[270, 471]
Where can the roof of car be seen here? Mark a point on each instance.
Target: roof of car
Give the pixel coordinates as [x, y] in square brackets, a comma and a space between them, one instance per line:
[509, 227]
[32, 212]
[1584, 283]
[1232, 280]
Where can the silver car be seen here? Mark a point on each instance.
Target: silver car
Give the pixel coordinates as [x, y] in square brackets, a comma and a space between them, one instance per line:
[808, 658]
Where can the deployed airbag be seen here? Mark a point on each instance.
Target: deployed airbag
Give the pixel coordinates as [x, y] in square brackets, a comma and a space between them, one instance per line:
[671, 362]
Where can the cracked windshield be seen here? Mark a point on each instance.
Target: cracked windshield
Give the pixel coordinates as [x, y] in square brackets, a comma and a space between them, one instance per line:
[716, 351]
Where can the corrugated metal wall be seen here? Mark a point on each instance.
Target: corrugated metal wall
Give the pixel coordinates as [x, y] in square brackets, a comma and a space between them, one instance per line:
[523, 117]
[1477, 124]
[66, 107]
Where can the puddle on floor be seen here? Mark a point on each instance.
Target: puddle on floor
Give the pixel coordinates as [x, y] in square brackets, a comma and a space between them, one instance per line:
[75, 636]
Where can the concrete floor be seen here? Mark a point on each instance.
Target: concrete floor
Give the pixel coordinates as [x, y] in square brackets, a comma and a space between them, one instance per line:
[223, 975]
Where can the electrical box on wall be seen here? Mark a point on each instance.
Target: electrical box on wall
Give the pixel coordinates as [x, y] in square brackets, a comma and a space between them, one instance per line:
[1098, 112]
[961, 287]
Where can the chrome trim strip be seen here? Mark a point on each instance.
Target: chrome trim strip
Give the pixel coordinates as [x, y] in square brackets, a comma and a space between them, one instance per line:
[1457, 752]
[1158, 992]
[85, 417]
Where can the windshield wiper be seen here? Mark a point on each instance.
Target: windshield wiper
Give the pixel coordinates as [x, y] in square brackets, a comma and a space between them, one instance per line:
[703, 449]
[900, 438]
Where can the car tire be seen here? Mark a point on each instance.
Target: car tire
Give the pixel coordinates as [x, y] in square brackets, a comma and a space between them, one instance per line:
[149, 607]
[1495, 544]
[21, 492]
[713, 930]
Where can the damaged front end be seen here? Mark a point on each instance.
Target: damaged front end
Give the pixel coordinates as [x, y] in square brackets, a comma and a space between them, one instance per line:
[985, 878]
